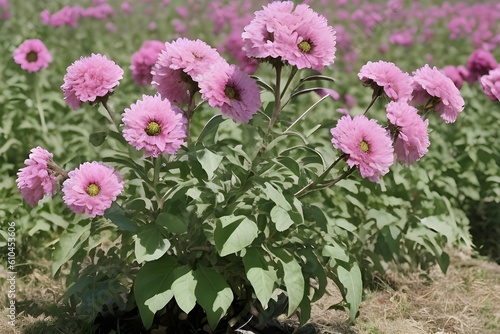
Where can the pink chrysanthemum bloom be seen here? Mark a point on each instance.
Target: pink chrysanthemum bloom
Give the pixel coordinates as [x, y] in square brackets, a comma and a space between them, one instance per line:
[91, 78]
[144, 60]
[179, 67]
[91, 188]
[434, 89]
[154, 125]
[396, 84]
[299, 36]
[412, 139]
[36, 179]
[32, 55]
[237, 95]
[480, 62]
[491, 84]
[367, 145]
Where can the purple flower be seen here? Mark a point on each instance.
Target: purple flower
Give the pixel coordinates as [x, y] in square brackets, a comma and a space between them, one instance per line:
[91, 188]
[412, 138]
[396, 84]
[144, 60]
[434, 89]
[453, 73]
[367, 145]
[32, 55]
[480, 62]
[490, 84]
[90, 78]
[154, 125]
[37, 179]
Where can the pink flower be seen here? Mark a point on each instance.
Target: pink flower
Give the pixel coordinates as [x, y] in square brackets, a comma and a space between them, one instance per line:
[91, 78]
[180, 66]
[66, 16]
[91, 188]
[154, 125]
[412, 138]
[367, 145]
[453, 73]
[299, 36]
[430, 83]
[32, 55]
[144, 60]
[480, 62]
[490, 84]
[37, 179]
[126, 7]
[396, 84]
[100, 11]
[237, 95]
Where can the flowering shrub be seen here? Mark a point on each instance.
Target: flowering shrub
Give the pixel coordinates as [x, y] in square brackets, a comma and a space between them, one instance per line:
[224, 221]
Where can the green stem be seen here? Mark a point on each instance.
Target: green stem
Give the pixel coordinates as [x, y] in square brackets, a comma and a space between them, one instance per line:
[320, 178]
[306, 112]
[38, 103]
[156, 180]
[334, 181]
[376, 93]
[277, 99]
[110, 113]
[290, 78]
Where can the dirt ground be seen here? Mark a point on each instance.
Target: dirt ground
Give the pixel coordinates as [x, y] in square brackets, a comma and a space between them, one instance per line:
[464, 301]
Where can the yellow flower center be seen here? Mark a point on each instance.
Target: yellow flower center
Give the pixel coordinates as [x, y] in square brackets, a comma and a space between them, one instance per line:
[364, 146]
[32, 56]
[305, 46]
[93, 189]
[153, 129]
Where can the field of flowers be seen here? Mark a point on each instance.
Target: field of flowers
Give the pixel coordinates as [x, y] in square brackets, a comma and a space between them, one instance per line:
[208, 166]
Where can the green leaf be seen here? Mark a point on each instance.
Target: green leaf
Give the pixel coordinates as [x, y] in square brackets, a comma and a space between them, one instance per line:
[208, 132]
[97, 138]
[150, 244]
[439, 226]
[281, 218]
[293, 279]
[117, 216]
[213, 294]
[152, 287]
[350, 278]
[184, 287]
[233, 233]
[209, 161]
[276, 196]
[173, 223]
[70, 242]
[261, 275]
[316, 269]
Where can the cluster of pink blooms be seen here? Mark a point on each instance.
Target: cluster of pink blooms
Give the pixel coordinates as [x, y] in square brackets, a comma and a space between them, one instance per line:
[297, 35]
[490, 84]
[70, 15]
[32, 55]
[89, 79]
[368, 145]
[4, 9]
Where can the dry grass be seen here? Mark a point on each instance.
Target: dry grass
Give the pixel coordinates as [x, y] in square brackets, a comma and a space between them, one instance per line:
[465, 301]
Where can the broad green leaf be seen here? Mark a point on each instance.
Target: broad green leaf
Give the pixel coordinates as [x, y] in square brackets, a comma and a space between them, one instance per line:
[210, 129]
[439, 226]
[261, 275]
[184, 287]
[316, 269]
[71, 241]
[150, 244]
[213, 294]
[117, 216]
[173, 223]
[209, 161]
[281, 218]
[97, 138]
[350, 278]
[293, 279]
[233, 237]
[152, 287]
[382, 218]
[276, 196]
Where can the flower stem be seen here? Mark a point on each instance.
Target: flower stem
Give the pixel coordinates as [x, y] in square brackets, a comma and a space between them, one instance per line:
[290, 78]
[277, 99]
[156, 180]
[306, 112]
[376, 93]
[306, 189]
[38, 103]
[110, 113]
